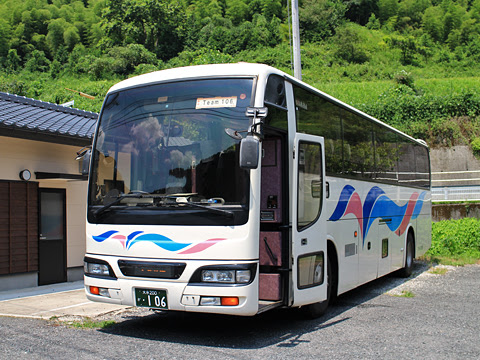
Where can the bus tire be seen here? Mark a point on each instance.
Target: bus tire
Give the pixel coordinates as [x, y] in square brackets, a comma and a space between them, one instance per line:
[406, 271]
[313, 311]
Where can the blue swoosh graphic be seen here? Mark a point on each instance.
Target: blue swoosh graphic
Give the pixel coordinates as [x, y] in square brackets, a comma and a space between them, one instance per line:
[345, 196]
[130, 238]
[104, 236]
[385, 208]
[419, 205]
[370, 200]
[159, 240]
[377, 205]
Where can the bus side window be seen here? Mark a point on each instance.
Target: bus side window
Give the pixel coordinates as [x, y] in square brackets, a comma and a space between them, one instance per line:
[309, 183]
[422, 167]
[406, 162]
[357, 146]
[386, 155]
[275, 91]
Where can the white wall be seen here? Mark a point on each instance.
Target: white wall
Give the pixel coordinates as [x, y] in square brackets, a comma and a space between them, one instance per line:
[19, 154]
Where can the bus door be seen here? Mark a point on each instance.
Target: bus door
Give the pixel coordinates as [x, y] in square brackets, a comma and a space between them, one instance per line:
[309, 247]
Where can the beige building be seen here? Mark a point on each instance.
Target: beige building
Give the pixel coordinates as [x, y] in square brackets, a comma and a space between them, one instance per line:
[42, 192]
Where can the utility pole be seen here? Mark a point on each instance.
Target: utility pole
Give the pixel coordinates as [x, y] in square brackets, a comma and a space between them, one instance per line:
[297, 62]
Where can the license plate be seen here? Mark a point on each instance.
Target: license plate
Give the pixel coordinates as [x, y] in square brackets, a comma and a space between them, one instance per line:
[156, 299]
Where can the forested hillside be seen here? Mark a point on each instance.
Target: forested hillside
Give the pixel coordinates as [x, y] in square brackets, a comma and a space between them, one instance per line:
[412, 63]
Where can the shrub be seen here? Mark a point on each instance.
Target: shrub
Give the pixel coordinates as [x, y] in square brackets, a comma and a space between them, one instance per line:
[37, 62]
[405, 78]
[475, 145]
[456, 238]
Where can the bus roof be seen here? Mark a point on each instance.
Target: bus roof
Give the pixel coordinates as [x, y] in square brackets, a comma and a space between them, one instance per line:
[190, 72]
[237, 69]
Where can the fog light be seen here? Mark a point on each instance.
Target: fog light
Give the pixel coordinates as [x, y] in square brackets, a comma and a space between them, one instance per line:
[210, 301]
[103, 292]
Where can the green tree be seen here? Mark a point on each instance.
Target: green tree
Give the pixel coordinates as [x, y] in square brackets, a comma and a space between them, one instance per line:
[237, 11]
[360, 11]
[373, 23]
[156, 25]
[407, 46]
[71, 37]
[131, 56]
[413, 10]
[55, 38]
[432, 22]
[453, 18]
[37, 62]
[13, 60]
[320, 18]
[349, 47]
[5, 34]
[387, 9]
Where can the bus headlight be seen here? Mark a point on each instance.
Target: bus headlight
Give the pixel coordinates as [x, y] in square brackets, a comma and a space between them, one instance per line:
[238, 274]
[97, 268]
[218, 276]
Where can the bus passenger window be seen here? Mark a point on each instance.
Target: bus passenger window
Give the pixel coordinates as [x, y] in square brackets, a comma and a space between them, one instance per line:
[358, 159]
[386, 155]
[422, 167]
[406, 162]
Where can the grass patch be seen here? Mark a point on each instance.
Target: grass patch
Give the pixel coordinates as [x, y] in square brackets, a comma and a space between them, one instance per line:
[438, 271]
[405, 294]
[456, 202]
[92, 324]
[459, 260]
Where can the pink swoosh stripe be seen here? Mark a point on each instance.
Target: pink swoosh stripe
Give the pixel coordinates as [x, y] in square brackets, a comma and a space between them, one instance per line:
[355, 207]
[202, 246]
[408, 214]
[121, 238]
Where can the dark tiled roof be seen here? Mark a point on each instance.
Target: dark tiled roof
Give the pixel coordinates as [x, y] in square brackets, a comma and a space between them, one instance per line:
[38, 120]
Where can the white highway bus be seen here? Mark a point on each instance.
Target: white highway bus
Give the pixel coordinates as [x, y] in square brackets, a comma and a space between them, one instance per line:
[236, 188]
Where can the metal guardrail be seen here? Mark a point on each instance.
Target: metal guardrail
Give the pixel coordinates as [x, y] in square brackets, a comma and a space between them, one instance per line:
[456, 193]
[456, 188]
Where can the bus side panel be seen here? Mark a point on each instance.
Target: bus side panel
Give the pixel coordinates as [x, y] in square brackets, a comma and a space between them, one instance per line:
[369, 224]
[423, 235]
[342, 232]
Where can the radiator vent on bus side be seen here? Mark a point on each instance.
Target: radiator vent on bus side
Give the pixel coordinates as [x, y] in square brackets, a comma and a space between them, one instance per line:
[161, 270]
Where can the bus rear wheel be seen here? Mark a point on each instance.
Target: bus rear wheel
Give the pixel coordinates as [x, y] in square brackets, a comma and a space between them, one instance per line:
[313, 311]
[407, 270]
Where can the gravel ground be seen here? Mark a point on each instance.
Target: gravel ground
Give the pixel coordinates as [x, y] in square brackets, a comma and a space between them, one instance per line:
[440, 321]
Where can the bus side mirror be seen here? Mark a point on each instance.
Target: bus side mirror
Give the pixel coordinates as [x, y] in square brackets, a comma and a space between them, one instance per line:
[83, 156]
[249, 152]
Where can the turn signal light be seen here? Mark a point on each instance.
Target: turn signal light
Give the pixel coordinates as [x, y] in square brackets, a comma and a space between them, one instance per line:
[230, 301]
[94, 290]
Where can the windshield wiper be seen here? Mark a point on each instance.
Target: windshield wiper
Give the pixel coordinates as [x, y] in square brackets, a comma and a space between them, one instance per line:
[104, 208]
[227, 213]
[117, 200]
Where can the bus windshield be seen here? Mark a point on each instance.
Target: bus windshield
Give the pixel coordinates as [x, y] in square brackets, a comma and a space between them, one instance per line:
[162, 156]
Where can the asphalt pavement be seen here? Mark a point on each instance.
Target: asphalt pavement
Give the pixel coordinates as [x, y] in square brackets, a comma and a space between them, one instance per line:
[434, 315]
[64, 301]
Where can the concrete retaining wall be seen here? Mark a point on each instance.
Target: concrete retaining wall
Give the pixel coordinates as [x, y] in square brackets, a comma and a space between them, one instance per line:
[454, 211]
